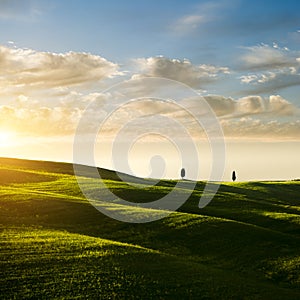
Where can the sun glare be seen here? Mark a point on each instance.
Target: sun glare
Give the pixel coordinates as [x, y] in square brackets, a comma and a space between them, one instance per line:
[6, 138]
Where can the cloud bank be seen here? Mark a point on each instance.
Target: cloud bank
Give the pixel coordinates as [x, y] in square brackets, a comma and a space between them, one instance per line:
[62, 84]
[252, 116]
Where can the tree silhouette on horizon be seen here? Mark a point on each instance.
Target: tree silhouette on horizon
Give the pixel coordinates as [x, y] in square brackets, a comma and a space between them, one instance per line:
[233, 176]
[182, 173]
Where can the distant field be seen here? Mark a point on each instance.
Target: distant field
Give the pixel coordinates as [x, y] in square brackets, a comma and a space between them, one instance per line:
[55, 245]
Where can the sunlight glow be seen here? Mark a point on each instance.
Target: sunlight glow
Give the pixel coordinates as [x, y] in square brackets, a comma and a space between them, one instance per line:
[6, 138]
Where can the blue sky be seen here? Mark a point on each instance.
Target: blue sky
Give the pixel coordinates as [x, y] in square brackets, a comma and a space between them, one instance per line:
[56, 57]
[126, 29]
[216, 33]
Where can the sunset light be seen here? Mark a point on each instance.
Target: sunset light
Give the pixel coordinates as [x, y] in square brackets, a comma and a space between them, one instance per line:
[6, 139]
[57, 73]
[150, 149]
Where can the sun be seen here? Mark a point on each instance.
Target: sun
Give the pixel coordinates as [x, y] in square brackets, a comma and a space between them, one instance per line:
[5, 138]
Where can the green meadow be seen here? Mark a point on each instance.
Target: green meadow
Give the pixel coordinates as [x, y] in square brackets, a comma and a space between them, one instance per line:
[55, 245]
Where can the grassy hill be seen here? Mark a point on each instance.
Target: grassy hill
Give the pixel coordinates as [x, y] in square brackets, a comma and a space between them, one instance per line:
[54, 244]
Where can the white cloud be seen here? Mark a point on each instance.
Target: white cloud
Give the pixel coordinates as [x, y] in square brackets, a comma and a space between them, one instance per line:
[271, 82]
[259, 78]
[249, 116]
[59, 117]
[189, 23]
[180, 70]
[257, 117]
[39, 121]
[64, 78]
[29, 69]
[248, 78]
[23, 10]
[264, 57]
[222, 106]
[247, 128]
[204, 13]
[273, 106]
[272, 68]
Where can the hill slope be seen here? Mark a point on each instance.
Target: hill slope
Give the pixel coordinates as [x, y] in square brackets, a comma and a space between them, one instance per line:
[54, 244]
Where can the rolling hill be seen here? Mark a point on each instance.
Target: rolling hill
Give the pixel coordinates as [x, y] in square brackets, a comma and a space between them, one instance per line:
[55, 245]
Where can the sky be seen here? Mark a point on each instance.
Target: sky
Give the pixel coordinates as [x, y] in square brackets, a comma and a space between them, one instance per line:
[65, 64]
